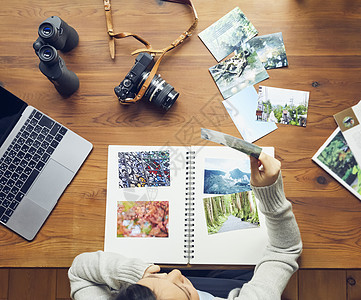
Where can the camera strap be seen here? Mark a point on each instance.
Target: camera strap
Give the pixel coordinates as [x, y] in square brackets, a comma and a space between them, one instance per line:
[148, 47]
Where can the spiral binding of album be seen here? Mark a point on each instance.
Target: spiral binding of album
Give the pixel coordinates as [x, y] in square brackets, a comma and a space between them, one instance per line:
[189, 213]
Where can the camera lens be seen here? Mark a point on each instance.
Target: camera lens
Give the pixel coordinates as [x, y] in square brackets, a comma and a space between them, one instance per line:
[161, 93]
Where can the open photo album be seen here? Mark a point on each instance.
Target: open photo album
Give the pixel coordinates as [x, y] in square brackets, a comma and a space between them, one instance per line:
[181, 205]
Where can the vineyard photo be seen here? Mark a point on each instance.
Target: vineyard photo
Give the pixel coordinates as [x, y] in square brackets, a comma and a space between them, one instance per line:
[231, 212]
[142, 218]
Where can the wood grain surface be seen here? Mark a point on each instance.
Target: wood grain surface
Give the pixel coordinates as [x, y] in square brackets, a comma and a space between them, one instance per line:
[323, 45]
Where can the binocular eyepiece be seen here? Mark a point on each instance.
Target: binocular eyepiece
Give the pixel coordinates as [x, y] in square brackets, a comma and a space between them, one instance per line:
[55, 34]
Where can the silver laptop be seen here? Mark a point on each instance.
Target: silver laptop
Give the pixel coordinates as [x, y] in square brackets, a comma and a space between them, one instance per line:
[38, 159]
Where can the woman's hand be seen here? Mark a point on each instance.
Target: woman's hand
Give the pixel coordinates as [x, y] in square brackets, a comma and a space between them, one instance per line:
[151, 270]
[265, 170]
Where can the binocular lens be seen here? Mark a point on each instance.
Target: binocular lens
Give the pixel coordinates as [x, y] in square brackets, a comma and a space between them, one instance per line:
[47, 53]
[47, 30]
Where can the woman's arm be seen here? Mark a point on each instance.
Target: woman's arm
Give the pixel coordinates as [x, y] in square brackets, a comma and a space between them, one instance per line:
[279, 262]
[93, 275]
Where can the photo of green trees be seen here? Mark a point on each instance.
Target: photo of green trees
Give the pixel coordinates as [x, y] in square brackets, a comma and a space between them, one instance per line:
[337, 156]
[231, 212]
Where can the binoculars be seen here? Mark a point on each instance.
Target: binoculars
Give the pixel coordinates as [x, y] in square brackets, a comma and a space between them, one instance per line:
[55, 34]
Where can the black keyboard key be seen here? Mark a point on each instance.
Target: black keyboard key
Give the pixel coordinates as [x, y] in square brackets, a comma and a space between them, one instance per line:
[21, 154]
[2, 196]
[45, 157]
[29, 128]
[19, 196]
[9, 212]
[23, 177]
[55, 129]
[14, 190]
[6, 203]
[23, 164]
[10, 182]
[50, 150]
[7, 174]
[6, 189]
[45, 131]
[58, 137]
[25, 148]
[10, 197]
[28, 157]
[15, 176]
[36, 157]
[63, 130]
[2, 210]
[25, 134]
[49, 138]
[38, 115]
[36, 144]
[3, 167]
[40, 165]
[29, 142]
[45, 145]
[21, 141]
[12, 154]
[37, 128]
[29, 181]
[14, 205]
[7, 161]
[40, 151]
[40, 137]
[32, 151]
[16, 161]
[3, 180]
[27, 171]
[54, 144]
[4, 219]
[20, 169]
[16, 147]
[32, 164]
[19, 183]
[33, 135]
[33, 122]
[45, 121]
[12, 168]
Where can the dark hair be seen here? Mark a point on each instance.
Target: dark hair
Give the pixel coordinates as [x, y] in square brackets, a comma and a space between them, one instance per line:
[135, 292]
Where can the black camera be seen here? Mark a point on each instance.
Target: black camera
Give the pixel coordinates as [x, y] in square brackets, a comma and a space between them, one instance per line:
[55, 34]
[159, 92]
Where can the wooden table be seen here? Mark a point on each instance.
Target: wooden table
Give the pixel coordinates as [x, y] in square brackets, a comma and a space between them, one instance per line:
[323, 44]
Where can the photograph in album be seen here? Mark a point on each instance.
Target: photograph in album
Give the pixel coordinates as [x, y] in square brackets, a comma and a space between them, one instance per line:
[231, 212]
[144, 168]
[226, 176]
[142, 218]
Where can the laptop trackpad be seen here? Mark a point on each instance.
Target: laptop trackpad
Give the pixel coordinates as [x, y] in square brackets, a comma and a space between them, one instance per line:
[50, 184]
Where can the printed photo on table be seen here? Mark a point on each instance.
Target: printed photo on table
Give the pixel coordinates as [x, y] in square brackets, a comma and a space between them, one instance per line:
[282, 106]
[227, 34]
[240, 71]
[270, 49]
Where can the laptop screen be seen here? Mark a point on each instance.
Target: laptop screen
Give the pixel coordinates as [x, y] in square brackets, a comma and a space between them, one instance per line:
[11, 108]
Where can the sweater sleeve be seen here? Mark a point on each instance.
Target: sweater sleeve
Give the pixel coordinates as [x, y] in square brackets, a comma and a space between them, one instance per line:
[279, 262]
[94, 275]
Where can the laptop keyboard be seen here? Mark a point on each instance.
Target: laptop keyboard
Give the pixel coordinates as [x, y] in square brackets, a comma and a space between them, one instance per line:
[24, 159]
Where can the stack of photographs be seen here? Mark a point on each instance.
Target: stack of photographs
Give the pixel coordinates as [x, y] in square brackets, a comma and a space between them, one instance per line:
[254, 115]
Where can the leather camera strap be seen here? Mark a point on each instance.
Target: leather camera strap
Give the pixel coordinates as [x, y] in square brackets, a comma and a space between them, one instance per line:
[148, 46]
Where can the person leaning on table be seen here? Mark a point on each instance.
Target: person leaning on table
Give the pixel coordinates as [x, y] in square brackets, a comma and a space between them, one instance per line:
[102, 275]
